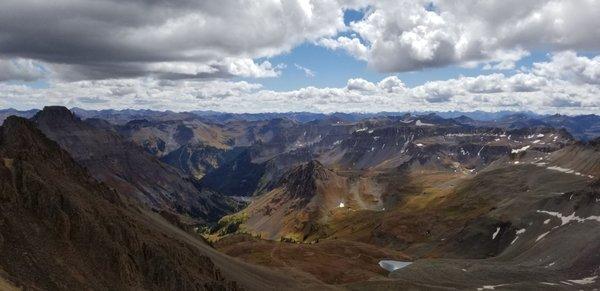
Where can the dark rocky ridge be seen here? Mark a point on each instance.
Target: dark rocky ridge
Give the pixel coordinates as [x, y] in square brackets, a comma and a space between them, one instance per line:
[60, 229]
[301, 182]
[465, 199]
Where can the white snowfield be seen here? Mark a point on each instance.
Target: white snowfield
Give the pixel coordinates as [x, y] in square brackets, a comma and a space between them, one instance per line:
[562, 170]
[391, 265]
[541, 236]
[585, 281]
[419, 123]
[569, 171]
[519, 232]
[496, 233]
[566, 219]
[516, 151]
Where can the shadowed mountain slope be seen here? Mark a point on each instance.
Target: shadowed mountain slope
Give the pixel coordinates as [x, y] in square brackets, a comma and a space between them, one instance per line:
[125, 167]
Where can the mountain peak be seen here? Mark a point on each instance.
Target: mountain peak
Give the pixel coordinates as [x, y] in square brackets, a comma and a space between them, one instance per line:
[14, 121]
[21, 134]
[313, 168]
[55, 116]
[302, 180]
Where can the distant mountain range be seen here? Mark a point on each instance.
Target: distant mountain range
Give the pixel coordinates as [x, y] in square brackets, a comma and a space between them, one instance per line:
[583, 127]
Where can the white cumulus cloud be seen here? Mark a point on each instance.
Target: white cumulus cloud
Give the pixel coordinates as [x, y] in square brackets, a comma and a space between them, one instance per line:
[408, 35]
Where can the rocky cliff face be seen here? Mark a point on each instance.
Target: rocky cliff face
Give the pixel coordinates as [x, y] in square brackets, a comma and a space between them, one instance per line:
[125, 167]
[237, 175]
[196, 159]
[60, 229]
[301, 182]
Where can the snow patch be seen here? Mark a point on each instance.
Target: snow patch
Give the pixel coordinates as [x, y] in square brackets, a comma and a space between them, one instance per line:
[419, 123]
[548, 283]
[496, 233]
[342, 205]
[479, 152]
[391, 266]
[490, 287]
[585, 281]
[566, 219]
[516, 151]
[519, 232]
[542, 236]
[564, 170]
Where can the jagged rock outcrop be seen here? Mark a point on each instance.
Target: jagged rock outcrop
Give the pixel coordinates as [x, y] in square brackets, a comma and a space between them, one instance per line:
[125, 167]
[301, 182]
[196, 160]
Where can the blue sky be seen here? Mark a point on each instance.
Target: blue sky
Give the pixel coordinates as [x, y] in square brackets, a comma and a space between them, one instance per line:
[335, 68]
[331, 68]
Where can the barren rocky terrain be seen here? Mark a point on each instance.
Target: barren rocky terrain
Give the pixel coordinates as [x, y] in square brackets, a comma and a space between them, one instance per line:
[189, 203]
